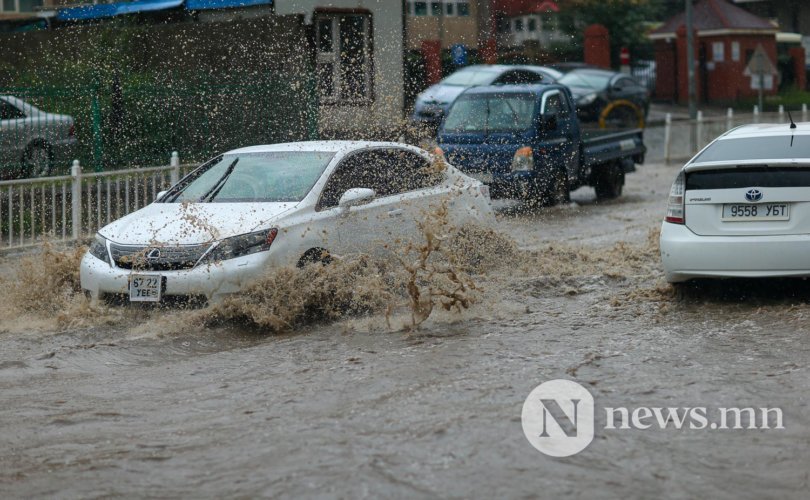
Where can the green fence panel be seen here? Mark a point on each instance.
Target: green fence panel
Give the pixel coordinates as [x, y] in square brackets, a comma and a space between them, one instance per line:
[126, 125]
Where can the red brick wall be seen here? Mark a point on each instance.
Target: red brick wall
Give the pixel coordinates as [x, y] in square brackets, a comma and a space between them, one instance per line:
[597, 46]
[727, 81]
[797, 54]
[432, 52]
[665, 84]
[683, 74]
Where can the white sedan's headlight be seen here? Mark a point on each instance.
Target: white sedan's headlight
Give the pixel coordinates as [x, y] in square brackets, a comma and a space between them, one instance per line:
[243, 244]
[98, 249]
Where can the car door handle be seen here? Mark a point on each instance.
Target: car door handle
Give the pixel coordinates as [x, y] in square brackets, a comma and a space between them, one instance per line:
[395, 212]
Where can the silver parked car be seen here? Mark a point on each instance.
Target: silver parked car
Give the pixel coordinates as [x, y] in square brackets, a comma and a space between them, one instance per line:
[31, 140]
[433, 103]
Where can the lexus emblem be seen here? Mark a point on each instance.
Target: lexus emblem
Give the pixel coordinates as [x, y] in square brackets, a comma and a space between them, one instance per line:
[153, 254]
[753, 195]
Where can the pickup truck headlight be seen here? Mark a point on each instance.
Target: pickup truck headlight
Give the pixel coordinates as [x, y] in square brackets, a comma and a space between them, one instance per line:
[243, 244]
[523, 161]
[98, 249]
[586, 99]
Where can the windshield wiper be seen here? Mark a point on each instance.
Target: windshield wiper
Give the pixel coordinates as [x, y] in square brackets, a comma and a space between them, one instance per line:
[514, 113]
[214, 191]
[486, 121]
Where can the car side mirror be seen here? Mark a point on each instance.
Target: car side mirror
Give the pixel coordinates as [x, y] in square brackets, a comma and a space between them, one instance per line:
[548, 122]
[356, 196]
[160, 195]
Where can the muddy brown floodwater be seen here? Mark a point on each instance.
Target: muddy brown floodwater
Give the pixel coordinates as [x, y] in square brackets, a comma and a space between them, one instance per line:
[139, 403]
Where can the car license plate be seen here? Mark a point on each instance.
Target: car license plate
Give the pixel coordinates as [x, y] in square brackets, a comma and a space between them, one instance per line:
[485, 177]
[145, 287]
[756, 212]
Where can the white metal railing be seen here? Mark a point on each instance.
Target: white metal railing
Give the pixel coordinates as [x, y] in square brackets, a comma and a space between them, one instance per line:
[71, 207]
[681, 139]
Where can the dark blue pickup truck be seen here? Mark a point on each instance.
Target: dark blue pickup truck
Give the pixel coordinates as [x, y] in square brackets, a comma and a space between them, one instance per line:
[525, 141]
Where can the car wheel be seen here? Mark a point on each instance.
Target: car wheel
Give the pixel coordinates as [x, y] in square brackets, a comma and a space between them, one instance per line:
[315, 256]
[37, 160]
[621, 114]
[608, 181]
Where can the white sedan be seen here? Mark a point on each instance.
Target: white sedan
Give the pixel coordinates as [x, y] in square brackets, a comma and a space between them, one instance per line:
[250, 209]
[741, 207]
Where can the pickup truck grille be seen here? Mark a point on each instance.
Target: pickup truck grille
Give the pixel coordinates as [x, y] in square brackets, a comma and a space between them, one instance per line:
[157, 258]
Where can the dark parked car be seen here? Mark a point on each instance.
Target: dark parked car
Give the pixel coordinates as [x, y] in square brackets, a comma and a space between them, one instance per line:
[612, 99]
[565, 67]
[433, 102]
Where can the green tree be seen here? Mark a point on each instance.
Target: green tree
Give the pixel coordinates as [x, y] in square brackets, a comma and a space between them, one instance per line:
[627, 21]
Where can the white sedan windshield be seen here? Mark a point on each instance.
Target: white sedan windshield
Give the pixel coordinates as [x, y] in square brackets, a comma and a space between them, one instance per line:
[470, 77]
[280, 176]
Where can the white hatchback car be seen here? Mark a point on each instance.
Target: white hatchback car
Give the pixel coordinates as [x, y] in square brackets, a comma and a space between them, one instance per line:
[741, 207]
[229, 220]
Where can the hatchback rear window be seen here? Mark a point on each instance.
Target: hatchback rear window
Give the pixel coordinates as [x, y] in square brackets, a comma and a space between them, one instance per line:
[782, 147]
[744, 177]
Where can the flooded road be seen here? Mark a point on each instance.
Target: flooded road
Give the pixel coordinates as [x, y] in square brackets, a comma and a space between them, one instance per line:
[139, 403]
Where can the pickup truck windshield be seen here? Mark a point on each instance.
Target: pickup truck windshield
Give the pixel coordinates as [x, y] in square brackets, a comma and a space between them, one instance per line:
[491, 113]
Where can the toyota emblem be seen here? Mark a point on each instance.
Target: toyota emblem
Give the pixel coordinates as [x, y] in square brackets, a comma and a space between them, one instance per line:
[753, 195]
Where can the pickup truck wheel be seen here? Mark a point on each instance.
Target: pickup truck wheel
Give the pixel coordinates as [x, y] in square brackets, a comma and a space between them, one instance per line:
[530, 193]
[608, 181]
[558, 192]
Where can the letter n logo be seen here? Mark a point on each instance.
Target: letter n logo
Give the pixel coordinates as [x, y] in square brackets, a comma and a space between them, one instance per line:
[552, 409]
[558, 418]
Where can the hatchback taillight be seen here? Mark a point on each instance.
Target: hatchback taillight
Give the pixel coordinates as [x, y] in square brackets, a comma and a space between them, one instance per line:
[676, 212]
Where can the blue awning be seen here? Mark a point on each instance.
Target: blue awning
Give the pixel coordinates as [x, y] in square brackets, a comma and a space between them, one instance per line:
[102, 10]
[223, 4]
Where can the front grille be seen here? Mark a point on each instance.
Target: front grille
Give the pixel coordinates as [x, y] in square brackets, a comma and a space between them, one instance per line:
[157, 257]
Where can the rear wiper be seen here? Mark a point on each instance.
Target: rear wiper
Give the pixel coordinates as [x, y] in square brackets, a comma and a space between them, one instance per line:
[214, 191]
[792, 126]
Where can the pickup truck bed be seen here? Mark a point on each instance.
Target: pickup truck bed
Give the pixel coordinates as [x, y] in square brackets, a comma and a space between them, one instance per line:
[599, 146]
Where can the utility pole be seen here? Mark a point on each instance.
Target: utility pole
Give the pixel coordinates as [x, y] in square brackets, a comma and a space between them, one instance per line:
[690, 61]
[441, 25]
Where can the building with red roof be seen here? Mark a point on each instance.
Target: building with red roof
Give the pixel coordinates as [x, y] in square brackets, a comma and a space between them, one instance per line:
[727, 38]
[526, 21]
